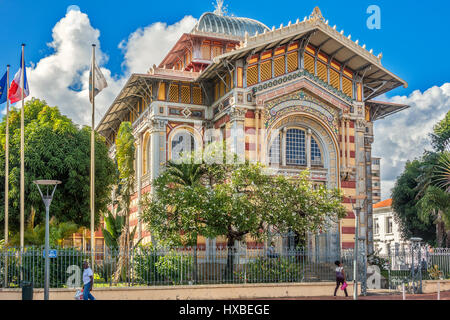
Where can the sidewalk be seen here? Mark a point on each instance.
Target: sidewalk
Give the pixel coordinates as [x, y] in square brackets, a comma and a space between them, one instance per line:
[379, 295]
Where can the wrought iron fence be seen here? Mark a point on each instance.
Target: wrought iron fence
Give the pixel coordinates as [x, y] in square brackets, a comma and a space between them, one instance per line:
[409, 266]
[147, 266]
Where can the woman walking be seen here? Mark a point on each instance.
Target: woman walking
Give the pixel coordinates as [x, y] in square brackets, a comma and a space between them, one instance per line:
[340, 278]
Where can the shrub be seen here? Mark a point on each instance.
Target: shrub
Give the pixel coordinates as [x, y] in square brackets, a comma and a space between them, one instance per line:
[174, 268]
[263, 270]
[33, 266]
[144, 260]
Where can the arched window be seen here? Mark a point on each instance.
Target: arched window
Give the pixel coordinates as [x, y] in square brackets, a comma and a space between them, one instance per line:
[182, 143]
[295, 147]
[316, 155]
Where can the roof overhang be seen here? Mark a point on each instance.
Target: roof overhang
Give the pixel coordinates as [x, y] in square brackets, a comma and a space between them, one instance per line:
[376, 79]
[380, 109]
[186, 41]
[138, 86]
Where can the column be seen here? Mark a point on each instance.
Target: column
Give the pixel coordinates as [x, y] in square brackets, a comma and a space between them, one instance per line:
[283, 146]
[155, 148]
[139, 182]
[344, 162]
[237, 137]
[257, 112]
[262, 137]
[308, 148]
[347, 143]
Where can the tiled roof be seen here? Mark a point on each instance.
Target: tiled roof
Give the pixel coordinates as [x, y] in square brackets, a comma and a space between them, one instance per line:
[383, 204]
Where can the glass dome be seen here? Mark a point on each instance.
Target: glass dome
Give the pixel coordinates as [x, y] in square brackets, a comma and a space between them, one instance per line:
[211, 22]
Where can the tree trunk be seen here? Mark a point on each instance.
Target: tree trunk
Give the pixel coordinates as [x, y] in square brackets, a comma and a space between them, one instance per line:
[230, 259]
[195, 266]
[447, 240]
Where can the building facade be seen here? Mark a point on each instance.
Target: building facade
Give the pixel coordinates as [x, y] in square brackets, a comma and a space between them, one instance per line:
[293, 98]
[376, 180]
[386, 231]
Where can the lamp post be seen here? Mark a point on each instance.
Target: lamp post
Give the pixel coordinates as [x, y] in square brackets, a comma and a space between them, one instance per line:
[47, 198]
[357, 209]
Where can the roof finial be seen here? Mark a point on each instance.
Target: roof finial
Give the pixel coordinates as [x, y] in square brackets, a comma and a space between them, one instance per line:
[317, 15]
[221, 9]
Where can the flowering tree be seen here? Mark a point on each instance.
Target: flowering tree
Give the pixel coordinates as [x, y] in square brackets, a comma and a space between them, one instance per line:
[236, 200]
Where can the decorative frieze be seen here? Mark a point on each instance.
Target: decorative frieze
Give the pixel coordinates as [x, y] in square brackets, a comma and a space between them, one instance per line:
[237, 114]
[282, 80]
[300, 101]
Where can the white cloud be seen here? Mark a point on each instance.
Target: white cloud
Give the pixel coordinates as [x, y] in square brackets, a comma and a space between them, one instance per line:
[61, 78]
[404, 136]
[149, 45]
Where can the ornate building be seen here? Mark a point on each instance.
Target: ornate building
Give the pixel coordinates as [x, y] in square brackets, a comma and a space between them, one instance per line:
[295, 97]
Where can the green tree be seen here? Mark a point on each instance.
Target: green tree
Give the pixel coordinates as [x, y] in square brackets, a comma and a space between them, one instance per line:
[178, 203]
[434, 206]
[55, 148]
[114, 227]
[441, 134]
[404, 200]
[125, 157]
[35, 234]
[296, 204]
[236, 200]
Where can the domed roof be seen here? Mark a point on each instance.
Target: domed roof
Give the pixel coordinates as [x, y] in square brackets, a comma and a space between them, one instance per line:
[214, 23]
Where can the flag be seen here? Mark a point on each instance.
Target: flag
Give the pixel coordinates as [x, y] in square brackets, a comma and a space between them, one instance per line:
[99, 81]
[3, 85]
[15, 90]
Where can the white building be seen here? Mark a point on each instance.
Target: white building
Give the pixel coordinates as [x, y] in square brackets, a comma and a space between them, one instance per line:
[386, 232]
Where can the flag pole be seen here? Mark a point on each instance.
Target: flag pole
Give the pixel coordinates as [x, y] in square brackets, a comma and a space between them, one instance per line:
[93, 158]
[5, 283]
[22, 153]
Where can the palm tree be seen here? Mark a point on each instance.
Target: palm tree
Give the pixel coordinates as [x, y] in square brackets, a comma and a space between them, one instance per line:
[125, 162]
[443, 169]
[435, 204]
[186, 174]
[433, 197]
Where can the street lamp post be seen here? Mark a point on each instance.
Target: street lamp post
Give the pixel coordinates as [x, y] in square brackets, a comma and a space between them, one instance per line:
[357, 209]
[47, 198]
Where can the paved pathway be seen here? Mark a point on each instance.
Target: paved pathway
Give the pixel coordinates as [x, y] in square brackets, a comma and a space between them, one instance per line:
[377, 296]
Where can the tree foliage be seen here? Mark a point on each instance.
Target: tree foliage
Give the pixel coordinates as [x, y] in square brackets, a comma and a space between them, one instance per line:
[404, 200]
[441, 134]
[235, 200]
[55, 148]
[125, 156]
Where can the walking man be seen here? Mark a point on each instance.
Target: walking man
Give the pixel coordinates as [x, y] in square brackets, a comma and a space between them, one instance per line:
[88, 282]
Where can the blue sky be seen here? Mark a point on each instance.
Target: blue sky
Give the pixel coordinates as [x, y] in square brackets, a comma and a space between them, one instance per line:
[133, 35]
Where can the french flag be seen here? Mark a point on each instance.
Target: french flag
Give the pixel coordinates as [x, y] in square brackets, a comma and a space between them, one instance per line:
[15, 91]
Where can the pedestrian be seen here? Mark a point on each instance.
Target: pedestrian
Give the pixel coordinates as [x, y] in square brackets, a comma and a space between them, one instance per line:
[340, 278]
[271, 251]
[88, 281]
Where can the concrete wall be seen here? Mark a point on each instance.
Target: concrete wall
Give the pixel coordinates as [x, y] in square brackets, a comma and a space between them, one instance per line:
[200, 292]
[430, 286]
[208, 292]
